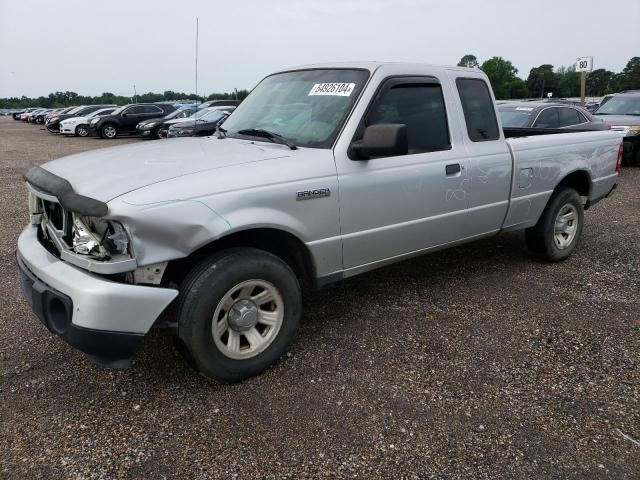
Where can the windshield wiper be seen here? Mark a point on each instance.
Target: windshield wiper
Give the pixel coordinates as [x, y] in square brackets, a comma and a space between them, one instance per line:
[220, 132]
[274, 137]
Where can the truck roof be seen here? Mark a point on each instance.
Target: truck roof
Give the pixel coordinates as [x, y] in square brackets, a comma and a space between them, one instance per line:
[372, 66]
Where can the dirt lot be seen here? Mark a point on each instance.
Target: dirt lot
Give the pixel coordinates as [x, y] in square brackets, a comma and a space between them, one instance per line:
[477, 362]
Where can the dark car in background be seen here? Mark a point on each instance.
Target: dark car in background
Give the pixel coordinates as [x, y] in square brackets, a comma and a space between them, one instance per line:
[124, 120]
[547, 115]
[53, 123]
[203, 126]
[622, 112]
[156, 127]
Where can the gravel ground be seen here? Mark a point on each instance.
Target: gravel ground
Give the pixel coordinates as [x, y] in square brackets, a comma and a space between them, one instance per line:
[477, 362]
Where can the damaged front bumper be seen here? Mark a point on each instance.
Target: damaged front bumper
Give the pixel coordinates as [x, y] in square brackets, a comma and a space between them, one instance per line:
[100, 317]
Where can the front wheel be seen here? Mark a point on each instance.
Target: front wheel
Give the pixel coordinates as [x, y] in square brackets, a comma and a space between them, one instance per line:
[81, 131]
[558, 231]
[108, 131]
[238, 312]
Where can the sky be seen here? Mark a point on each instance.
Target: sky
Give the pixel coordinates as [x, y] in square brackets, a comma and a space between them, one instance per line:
[93, 47]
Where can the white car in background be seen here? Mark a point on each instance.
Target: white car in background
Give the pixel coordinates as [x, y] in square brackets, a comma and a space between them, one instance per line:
[78, 126]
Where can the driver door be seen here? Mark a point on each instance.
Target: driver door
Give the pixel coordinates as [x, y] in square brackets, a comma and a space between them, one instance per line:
[394, 206]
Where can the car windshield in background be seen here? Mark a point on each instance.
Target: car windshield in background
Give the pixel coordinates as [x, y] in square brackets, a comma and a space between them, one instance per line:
[307, 107]
[212, 116]
[181, 113]
[514, 117]
[118, 111]
[201, 113]
[621, 105]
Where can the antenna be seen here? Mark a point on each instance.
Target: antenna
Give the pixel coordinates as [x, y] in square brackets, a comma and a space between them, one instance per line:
[197, 34]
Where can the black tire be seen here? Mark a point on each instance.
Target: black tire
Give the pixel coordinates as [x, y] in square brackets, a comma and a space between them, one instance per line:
[201, 295]
[542, 240]
[106, 129]
[52, 130]
[156, 133]
[82, 131]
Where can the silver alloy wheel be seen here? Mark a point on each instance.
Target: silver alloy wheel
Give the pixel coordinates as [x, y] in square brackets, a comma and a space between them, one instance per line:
[81, 131]
[247, 319]
[566, 226]
[109, 131]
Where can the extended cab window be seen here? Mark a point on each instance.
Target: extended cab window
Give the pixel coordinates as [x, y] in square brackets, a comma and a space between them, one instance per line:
[421, 108]
[478, 108]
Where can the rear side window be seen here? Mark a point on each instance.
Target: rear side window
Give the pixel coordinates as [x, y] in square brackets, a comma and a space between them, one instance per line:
[478, 108]
[569, 116]
[548, 118]
[421, 108]
[151, 109]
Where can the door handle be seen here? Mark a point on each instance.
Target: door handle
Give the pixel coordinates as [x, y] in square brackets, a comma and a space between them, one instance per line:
[453, 169]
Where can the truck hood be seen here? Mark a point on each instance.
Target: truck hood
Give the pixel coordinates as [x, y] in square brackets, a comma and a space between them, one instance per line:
[108, 173]
[620, 119]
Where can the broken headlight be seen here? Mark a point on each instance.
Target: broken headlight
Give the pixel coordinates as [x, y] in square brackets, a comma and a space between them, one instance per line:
[98, 238]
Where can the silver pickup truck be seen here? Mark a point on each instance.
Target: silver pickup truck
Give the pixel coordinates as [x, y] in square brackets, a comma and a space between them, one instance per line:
[322, 173]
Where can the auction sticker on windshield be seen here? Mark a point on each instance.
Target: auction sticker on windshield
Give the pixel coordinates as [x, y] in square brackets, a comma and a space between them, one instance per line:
[337, 89]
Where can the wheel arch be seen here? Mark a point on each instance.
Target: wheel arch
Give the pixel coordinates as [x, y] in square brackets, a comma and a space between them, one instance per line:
[285, 245]
[579, 180]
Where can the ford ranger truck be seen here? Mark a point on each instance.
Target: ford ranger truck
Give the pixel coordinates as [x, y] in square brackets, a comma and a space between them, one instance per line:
[322, 173]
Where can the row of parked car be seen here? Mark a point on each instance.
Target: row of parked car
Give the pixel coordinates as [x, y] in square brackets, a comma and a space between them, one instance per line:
[619, 112]
[149, 120]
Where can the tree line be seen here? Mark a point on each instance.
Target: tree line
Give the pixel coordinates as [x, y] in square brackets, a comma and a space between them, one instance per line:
[66, 99]
[562, 82]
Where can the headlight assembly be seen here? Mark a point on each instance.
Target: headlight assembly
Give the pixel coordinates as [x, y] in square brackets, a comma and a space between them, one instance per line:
[98, 238]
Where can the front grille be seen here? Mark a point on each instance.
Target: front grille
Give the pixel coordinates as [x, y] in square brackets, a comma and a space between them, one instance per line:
[55, 213]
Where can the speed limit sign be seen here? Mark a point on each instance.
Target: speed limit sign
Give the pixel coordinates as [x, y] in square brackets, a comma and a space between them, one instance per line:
[584, 64]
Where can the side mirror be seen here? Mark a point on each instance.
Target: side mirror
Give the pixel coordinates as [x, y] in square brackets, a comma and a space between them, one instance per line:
[124, 115]
[384, 140]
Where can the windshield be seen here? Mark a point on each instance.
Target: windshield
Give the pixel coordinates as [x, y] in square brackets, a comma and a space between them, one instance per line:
[621, 105]
[308, 107]
[75, 110]
[514, 118]
[119, 110]
[100, 113]
[212, 116]
[181, 113]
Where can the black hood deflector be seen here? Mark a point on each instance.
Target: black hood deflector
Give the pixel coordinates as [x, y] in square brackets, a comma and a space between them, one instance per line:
[60, 188]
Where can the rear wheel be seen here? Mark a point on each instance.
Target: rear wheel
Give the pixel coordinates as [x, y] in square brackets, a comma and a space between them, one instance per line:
[557, 233]
[238, 312]
[108, 131]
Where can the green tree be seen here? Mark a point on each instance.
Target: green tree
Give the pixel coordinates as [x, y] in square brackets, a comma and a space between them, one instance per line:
[541, 80]
[631, 75]
[501, 74]
[598, 82]
[469, 61]
[517, 88]
[568, 81]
